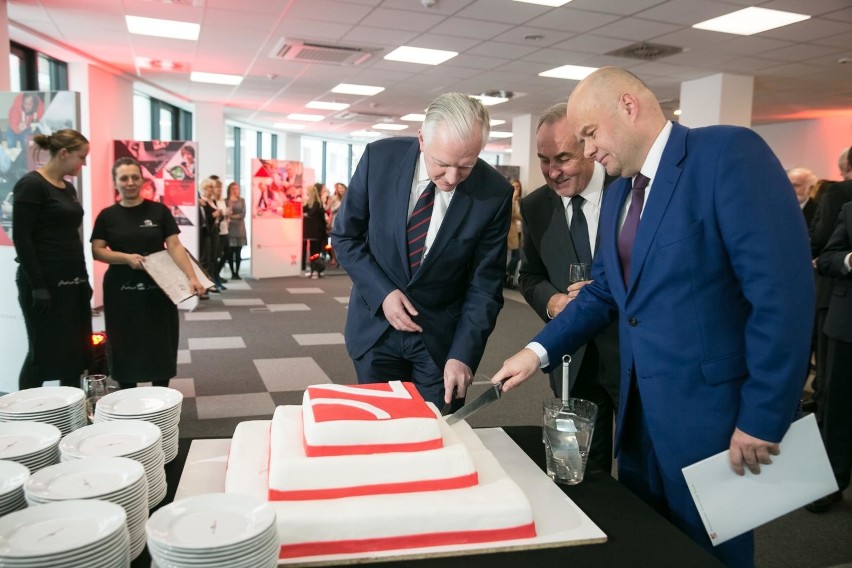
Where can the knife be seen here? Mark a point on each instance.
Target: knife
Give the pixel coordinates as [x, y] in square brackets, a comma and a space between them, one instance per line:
[486, 398]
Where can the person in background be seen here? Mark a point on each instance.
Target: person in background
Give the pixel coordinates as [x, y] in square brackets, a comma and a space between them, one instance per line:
[187, 152]
[313, 227]
[513, 239]
[704, 263]
[141, 321]
[336, 200]
[803, 181]
[53, 284]
[223, 251]
[236, 229]
[25, 112]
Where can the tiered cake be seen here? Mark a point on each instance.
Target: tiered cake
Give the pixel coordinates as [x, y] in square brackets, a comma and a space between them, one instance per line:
[374, 467]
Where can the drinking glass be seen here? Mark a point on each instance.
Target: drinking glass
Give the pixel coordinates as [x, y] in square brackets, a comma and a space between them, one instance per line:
[578, 272]
[95, 387]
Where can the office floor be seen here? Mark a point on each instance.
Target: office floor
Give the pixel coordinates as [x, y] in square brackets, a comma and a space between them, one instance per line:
[259, 343]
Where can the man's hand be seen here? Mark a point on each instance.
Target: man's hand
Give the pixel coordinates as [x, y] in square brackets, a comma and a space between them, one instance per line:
[557, 302]
[41, 300]
[748, 451]
[135, 261]
[518, 368]
[457, 377]
[398, 311]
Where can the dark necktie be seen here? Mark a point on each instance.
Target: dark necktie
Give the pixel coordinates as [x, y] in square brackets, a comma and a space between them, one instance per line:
[418, 226]
[580, 230]
[631, 224]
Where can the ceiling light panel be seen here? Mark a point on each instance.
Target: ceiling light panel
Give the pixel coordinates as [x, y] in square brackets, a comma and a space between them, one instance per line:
[498, 134]
[365, 134]
[420, 55]
[552, 3]
[572, 72]
[389, 126]
[215, 78]
[488, 100]
[413, 117]
[351, 89]
[750, 21]
[162, 28]
[305, 117]
[326, 105]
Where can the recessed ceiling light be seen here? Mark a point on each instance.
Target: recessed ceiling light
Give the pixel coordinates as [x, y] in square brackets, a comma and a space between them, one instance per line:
[496, 122]
[288, 126]
[420, 55]
[217, 78]
[350, 89]
[573, 72]
[750, 21]
[389, 126]
[305, 117]
[325, 105]
[365, 134]
[162, 28]
[413, 117]
[499, 134]
[553, 3]
[488, 100]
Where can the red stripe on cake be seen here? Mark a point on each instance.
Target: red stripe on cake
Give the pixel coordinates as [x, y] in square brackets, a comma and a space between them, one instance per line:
[407, 541]
[377, 489]
[412, 406]
[319, 451]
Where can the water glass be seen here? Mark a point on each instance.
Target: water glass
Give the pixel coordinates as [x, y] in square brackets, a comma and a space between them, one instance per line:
[568, 429]
[95, 387]
[578, 272]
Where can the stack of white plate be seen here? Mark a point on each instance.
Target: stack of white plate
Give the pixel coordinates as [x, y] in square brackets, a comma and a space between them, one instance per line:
[158, 405]
[64, 407]
[66, 534]
[217, 529]
[117, 480]
[134, 439]
[12, 478]
[32, 444]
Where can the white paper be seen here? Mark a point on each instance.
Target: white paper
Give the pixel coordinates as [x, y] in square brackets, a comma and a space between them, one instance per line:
[730, 505]
[170, 278]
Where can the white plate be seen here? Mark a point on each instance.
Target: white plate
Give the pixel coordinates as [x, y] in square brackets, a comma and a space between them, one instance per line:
[26, 438]
[12, 476]
[118, 438]
[209, 521]
[40, 400]
[61, 527]
[139, 400]
[84, 479]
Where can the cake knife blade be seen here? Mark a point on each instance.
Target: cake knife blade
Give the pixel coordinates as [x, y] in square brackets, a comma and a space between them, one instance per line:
[490, 395]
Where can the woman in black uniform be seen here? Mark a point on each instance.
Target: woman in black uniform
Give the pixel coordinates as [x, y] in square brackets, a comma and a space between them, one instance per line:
[53, 285]
[141, 321]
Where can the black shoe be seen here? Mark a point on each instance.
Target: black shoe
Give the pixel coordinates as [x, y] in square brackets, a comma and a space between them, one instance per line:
[222, 279]
[235, 277]
[809, 405]
[824, 504]
[213, 290]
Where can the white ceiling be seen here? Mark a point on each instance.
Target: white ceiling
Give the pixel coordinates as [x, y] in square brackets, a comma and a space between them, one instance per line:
[796, 68]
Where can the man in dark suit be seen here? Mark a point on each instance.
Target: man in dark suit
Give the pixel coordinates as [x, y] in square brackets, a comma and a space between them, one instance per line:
[422, 234]
[703, 263]
[803, 181]
[834, 262]
[549, 226]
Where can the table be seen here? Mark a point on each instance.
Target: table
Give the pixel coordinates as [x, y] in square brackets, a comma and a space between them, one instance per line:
[637, 535]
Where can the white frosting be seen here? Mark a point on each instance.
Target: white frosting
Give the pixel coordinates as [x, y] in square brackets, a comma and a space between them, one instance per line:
[495, 503]
[291, 470]
[383, 426]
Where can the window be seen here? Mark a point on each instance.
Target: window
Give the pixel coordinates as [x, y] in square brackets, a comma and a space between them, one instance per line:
[313, 158]
[141, 117]
[337, 167]
[30, 70]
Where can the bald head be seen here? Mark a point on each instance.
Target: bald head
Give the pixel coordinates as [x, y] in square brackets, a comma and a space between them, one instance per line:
[617, 118]
[803, 181]
[845, 165]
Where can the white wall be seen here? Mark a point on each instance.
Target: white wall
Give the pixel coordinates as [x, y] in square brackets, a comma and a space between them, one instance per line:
[813, 144]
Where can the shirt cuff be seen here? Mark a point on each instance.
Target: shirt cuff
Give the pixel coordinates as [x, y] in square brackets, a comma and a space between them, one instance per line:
[541, 352]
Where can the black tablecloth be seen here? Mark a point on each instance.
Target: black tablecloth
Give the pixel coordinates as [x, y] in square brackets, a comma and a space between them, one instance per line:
[636, 535]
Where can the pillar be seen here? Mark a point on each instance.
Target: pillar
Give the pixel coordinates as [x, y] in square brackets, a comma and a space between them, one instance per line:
[718, 99]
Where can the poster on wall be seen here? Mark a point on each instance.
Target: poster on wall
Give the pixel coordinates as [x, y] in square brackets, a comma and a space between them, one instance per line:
[23, 115]
[276, 209]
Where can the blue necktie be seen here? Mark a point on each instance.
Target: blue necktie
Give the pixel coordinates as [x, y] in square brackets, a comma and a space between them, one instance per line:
[418, 226]
[580, 231]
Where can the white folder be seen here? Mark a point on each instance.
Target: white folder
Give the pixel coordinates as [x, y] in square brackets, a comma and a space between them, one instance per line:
[731, 505]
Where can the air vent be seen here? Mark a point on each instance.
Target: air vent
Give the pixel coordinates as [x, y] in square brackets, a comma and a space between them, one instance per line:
[312, 52]
[350, 116]
[646, 51]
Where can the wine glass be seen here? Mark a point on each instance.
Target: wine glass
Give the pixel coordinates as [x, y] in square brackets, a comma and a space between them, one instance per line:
[95, 387]
[578, 272]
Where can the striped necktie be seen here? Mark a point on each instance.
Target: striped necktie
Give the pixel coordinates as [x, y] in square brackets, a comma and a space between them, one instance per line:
[418, 226]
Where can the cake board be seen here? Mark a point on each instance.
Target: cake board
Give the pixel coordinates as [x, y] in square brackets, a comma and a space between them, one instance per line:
[559, 522]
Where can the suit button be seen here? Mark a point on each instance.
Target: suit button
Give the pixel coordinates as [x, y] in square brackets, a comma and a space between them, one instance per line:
[633, 322]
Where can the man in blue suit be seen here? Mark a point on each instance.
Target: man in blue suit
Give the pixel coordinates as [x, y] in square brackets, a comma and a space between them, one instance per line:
[703, 263]
[422, 234]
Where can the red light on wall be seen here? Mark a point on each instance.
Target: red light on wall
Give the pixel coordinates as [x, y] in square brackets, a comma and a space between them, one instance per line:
[98, 338]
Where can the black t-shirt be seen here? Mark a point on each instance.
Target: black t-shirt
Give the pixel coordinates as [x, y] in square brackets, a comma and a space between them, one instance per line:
[45, 227]
[135, 230]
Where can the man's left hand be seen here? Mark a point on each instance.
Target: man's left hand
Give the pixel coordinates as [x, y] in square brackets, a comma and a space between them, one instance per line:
[748, 451]
[457, 377]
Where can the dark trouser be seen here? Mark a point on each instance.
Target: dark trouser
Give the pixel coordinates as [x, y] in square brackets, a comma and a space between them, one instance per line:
[234, 260]
[666, 491]
[213, 253]
[402, 356]
[837, 410]
[224, 253]
[514, 259]
[821, 352]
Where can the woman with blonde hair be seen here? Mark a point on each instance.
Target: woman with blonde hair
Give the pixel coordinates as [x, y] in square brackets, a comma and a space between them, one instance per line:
[313, 229]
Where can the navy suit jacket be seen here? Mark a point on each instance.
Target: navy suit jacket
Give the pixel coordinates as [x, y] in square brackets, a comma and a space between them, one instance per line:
[458, 288]
[838, 321]
[715, 318]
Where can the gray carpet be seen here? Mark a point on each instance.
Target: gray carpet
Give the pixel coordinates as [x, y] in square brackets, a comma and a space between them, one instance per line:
[225, 384]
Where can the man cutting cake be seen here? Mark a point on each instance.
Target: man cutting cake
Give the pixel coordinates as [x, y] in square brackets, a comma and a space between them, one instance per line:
[422, 234]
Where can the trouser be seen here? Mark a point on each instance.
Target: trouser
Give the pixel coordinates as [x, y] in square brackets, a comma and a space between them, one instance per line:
[837, 412]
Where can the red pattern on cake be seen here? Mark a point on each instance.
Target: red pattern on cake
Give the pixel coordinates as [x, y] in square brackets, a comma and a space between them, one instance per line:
[378, 401]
